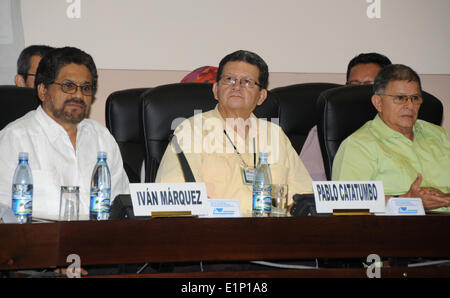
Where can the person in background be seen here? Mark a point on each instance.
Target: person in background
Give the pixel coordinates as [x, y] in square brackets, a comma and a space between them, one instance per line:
[361, 70]
[61, 143]
[410, 156]
[27, 64]
[204, 74]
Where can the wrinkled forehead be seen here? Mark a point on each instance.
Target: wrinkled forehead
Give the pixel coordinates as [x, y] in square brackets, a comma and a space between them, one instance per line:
[364, 72]
[77, 73]
[241, 69]
[403, 87]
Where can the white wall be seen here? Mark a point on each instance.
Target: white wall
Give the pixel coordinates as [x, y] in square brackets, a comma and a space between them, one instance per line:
[308, 36]
[144, 43]
[11, 39]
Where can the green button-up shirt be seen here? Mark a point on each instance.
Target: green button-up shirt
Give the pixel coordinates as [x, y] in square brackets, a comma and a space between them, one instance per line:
[377, 152]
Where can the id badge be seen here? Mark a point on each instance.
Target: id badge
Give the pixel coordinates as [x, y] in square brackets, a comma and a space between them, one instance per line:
[248, 175]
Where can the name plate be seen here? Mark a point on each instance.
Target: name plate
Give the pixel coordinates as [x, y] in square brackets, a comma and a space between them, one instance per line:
[221, 208]
[405, 206]
[336, 195]
[167, 197]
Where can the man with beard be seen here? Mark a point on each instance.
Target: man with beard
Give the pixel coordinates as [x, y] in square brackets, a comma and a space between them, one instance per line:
[62, 144]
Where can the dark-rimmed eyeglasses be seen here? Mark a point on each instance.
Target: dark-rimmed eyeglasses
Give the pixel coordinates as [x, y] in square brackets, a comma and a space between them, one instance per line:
[357, 83]
[401, 99]
[71, 88]
[244, 82]
[28, 74]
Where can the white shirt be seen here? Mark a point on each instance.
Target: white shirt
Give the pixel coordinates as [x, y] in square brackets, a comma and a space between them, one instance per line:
[55, 163]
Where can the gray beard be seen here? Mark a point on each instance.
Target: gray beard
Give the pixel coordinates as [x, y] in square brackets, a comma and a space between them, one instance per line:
[68, 116]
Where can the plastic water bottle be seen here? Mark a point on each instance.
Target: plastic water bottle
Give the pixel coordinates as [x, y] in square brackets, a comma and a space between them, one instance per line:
[100, 189]
[262, 188]
[22, 190]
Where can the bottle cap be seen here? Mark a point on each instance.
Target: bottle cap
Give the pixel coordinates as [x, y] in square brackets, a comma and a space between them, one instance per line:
[23, 155]
[263, 156]
[101, 154]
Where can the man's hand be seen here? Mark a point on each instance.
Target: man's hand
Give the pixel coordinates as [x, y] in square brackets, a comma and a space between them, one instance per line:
[414, 190]
[64, 271]
[431, 197]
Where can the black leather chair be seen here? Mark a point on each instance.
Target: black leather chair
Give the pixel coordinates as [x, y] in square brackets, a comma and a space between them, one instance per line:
[16, 102]
[344, 109]
[163, 104]
[297, 109]
[124, 121]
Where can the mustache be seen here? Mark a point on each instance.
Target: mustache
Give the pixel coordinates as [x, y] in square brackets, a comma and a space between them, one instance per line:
[75, 101]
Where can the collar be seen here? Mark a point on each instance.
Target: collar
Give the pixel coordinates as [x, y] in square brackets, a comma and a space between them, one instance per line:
[253, 122]
[385, 132]
[53, 129]
[218, 115]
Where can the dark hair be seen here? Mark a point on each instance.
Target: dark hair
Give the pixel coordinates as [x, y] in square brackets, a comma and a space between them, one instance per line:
[251, 58]
[366, 58]
[56, 59]
[394, 72]
[23, 62]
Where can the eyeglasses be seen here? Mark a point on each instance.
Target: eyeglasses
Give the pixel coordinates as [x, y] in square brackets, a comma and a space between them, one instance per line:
[28, 74]
[401, 99]
[355, 82]
[243, 82]
[71, 88]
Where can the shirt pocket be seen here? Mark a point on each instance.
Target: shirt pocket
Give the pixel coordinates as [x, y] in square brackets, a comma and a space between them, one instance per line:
[396, 172]
[435, 161]
[216, 173]
[280, 173]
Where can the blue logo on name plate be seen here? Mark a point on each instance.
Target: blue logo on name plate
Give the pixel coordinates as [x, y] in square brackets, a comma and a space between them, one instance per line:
[405, 210]
[222, 211]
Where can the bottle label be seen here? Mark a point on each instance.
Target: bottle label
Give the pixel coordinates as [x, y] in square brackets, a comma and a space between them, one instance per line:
[262, 202]
[22, 204]
[100, 204]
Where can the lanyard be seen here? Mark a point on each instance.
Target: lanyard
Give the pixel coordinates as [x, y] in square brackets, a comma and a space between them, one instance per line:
[237, 152]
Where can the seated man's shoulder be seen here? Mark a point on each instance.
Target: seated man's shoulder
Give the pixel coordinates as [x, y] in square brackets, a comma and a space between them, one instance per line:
[270, 124]
[188, 123]
[203, 118]
[20, 125]
[95, 127]
[432, 130]
[364, 134]
[364, 139]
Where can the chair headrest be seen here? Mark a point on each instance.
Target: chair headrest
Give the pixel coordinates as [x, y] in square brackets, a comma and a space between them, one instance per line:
[16, 102]
[123, 115]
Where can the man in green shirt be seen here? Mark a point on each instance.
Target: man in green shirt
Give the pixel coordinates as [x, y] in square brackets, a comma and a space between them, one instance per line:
[410, 156]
